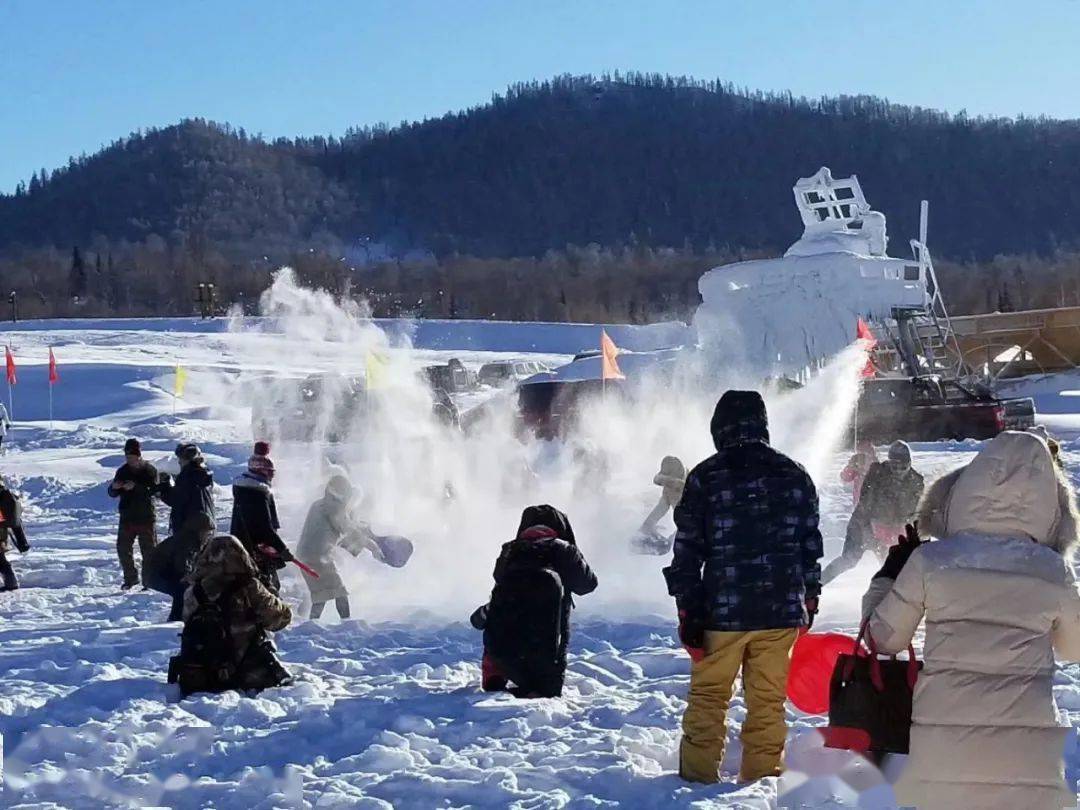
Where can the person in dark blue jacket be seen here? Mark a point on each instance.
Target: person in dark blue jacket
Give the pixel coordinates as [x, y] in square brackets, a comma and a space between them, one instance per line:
[193, 490]
[745, 575]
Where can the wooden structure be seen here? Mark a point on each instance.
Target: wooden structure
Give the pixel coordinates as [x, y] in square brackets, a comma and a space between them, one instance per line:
[1011, 344]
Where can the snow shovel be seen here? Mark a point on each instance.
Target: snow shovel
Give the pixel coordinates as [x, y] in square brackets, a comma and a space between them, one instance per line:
[307, 569]
[396, 551]
[651, 543]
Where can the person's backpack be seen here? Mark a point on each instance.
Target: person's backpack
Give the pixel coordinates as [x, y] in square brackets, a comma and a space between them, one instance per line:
[524, 619]
[206, 645]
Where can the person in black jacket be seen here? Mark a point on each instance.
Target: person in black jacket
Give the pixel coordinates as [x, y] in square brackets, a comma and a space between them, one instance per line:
[168, 567]
[526, 623]
[135, 484]
[255, 520]
[10, 526]
[193, 490]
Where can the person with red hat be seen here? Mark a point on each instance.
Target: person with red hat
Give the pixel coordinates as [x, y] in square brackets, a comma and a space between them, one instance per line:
[255, 519]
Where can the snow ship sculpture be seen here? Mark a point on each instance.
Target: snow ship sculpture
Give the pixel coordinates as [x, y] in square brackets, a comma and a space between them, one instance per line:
[787, 316]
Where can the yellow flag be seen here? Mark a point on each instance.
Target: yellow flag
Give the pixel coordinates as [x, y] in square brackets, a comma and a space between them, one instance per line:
[375, 371]
[181, 381]
[609, 351]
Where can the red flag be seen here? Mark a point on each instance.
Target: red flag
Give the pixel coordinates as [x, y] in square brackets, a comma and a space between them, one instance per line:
[609, 369]
[866, 338]
[10, 358]
[54, 377]
[862, 332]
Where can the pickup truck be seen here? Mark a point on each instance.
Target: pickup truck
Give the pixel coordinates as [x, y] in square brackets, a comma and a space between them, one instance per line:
[930, 408]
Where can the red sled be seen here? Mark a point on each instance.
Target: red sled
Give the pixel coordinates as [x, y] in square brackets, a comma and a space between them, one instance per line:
[813, 660]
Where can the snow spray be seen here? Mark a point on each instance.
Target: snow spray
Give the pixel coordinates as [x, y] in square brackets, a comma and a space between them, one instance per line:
[459, 495]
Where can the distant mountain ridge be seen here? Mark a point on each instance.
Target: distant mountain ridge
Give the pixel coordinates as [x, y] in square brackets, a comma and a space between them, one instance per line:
[575, 160]
[580, 177]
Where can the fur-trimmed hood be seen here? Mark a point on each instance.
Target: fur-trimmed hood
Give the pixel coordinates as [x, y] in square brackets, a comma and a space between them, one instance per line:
[1011, 488]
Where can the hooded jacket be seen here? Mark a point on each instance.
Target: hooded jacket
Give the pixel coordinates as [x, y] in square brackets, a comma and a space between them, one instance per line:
[747, 548]
[545, 539]
[999, 601]
[329, 524]
[225, 566]
[191, 492]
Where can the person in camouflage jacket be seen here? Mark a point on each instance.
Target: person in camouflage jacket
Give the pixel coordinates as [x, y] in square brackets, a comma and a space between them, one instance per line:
[224, 572]
[746, 575]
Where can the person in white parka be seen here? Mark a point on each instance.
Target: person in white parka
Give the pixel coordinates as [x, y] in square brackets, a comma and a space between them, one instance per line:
[1000, 600]
[330, 523]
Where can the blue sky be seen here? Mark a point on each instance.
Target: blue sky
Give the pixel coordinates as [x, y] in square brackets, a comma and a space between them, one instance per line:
[75, 74]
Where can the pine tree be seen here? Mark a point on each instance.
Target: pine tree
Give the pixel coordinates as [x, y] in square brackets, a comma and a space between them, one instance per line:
[77, 278]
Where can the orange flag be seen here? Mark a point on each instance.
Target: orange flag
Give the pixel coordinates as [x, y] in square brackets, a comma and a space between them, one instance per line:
[608, 352]
[54, 375]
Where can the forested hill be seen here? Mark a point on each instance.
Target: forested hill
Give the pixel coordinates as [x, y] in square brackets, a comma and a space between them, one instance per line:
[618, 162]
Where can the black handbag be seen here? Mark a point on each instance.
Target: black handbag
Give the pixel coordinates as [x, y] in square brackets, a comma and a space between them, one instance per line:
[870, 700]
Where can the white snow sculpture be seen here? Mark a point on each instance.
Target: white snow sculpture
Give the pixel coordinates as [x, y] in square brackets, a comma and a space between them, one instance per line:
[789, 315]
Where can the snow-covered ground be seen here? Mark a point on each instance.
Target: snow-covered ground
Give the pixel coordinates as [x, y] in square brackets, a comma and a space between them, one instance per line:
[386, 709]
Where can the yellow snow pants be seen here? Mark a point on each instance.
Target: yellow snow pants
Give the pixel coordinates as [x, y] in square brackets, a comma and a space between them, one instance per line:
[764, 657]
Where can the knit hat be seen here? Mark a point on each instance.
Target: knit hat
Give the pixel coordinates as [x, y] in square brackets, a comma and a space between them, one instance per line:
[132, 448]
[900, 453]
[260, 462]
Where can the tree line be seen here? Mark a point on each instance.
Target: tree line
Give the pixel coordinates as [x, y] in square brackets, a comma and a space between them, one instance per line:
[580, 197]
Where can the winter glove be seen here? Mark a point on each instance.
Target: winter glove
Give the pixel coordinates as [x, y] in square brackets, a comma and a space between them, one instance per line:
[900, 553]
[811, 611]
[21, 543]
[479, 617]
[692, 635]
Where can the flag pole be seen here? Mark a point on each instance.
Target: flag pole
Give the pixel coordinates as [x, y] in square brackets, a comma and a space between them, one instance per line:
[50, 406]
[10, 391]
[603, 369]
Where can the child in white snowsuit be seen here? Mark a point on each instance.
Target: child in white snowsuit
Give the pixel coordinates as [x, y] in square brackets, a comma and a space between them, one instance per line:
[329, 524]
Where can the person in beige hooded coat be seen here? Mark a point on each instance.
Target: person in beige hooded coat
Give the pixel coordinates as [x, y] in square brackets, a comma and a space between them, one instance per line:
[330, 523]
[1000, 601]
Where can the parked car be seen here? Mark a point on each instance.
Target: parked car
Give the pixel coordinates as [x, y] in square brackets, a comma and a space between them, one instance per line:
[321, 407]
[549, 408]
[509, 372]
[930, 408]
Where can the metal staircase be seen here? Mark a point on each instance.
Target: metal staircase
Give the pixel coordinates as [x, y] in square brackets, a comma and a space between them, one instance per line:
[926, 342]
